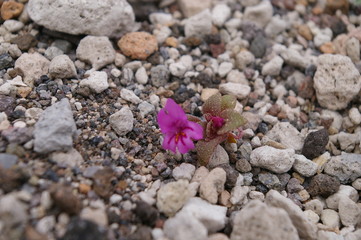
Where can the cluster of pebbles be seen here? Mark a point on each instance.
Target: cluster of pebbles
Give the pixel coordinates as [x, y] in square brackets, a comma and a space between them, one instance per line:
[81, 83]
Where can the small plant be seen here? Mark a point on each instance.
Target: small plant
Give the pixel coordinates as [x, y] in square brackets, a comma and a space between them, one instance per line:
[220, 119]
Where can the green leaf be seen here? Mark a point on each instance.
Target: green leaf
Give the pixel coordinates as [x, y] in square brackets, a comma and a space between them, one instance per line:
[206, 149]
[212, 105]
[228, 102]
[233, 121]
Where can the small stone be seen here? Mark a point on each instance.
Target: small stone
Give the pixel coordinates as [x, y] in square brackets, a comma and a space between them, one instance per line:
[243, 59]
[220, 13]
[24, 42]
[184, 171]
[129, 95]
[304, 166]
[200, 174]
[355, 116]
[11, 9]
[243, 165]
[138, 45]
[332, 6]
[224, 69]
[62, 67]
[259, 45]
[312, 216]
[64, 199]
[96, 215]
[145, 108]
[239, 195]
[238, 90]
[305, 32]
[46, 224]
[294, 58]
[327, 48]
[33, 66]
[286, 134]
[314, 205]
[63, 45]
[350, 212]
[217, 236]
[71, 158]
[270, 180]
[315, 144]
[141, 76]
[353, 49]
[122, 121]
[345, 167]
[260, 14]
[172, 197]
[83, 229]
[7, 160]
[323, 185]
[344, 191]
[273, 67]
[330, 218]
[6, 61]
[357, 184]
[190, 8]
[159, 75]
[276, 26]
[13, 25]
[146, 213]
[199, 24]
[219, 156]
[52, 52]
[98, 51]
[97, 81]
[212, 185]
[55, 129]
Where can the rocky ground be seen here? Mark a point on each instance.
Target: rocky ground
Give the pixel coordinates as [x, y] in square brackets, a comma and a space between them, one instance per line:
[81, 83]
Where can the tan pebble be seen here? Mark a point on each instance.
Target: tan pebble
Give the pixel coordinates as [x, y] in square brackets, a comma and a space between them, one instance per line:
[292, 101]
[11, 9]
[305, 32]
[298, 177]
[224, 199]
[24, 91]
[317, 10]
[327, 48]
[304, 195]
[171, 42]
[84, 188]
[138, 45]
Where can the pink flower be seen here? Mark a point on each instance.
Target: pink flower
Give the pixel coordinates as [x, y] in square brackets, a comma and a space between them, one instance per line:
[178, 131]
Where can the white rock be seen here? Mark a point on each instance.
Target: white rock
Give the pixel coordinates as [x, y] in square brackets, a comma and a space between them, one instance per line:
[96, 215]
[304, 166]
[177, 69]
[220, 13]
[212, 185]
[349, 211]
[344, 191]
[236, 76]
[276, 160]
[62, 67]
[345, 167]
[129, 95]
[33, 65]
[260, 14]
[213, 217]
[294, 58]
[323, 36]
[97, 81]
[306, 229]
[241, 91]
[13, 212]
[357, 184]
[327, 235]
[46, 224]
[13, 25]
[101, 18]
[122, 121]
[336, 81]
[330, 218]
[273, 67]
[275, 26]
[355, 116]
[119, 60]
[352, 49]
[141, 76]
[312, 216]
[145, 108]
[224, 68]
[239, 195]
[71, 158]
[98, 51]
[161, 18]
[190, 7]
[315, 205]
[184, 171]
[286, 134]
[243, 59]
[198, 25]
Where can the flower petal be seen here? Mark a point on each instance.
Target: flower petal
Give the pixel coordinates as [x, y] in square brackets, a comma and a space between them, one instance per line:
[174, 110]
[165, 122]
[194, 130]
[169, 142]
[185, 144]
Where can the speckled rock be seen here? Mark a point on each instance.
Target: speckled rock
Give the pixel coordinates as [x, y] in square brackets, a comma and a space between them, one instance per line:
[346, 167]
[11, 9]
[315, 143]
[138, 45]
[344, 191]
[323, 185]
[304, 166]
[349, 211]
[212, 185]
[62, 67]
[286, 134]
[199, 24]
[122, 121]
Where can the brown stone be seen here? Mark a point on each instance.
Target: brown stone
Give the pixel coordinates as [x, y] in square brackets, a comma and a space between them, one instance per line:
[306, 89]
[84, 188]
[12, 178]
[11, 9]
[25, 42]
[171, 42]
[192, 41]
[323, 185]
[292, 101]
[327, 48]
[138, 45]
[217, 49]
[317, 10]
[333, 5]
[305, 32]
[23, 91]
[103, 182]
[64, 199]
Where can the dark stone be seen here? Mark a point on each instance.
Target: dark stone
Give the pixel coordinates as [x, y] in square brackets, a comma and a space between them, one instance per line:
[65, 200]
[146, 213]
[258, 46]
[6, 61]
[270, 180]
[243, 165]
[204, 79]
[249, 30]
[142, 232]
[83, 229]
[12, 178]
[217, 49]
[182, 94]
[262, 128]
[25, 42]
[213, 38]
[306, 90]
[284, 178]
[311, 70]
[8, 160]
[231, 175]
[315, 144]
[294, 186]
[159, 75]
[338, 26]
[287, 71]
[323, 185]
[192, 41]
[103, 182]
[7, 104]
[142, 9]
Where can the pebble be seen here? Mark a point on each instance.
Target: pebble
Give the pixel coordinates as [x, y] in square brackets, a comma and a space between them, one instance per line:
[224, 68]
[270, 180]
[199, 24]
[355, 116]
[129, 96]
[236, 76]
[55, 129]
[330, 218]
[13, 25]
[294, 58]
[312, 216]
[25, 41]
[122, 121]
[323, 185]
[79, 228]
[304, 227]
[276, 26]
[219, 157]
[145, 108]
[98, 51]
[220, 13]
[286, 134]
[96, 215]
[243, 165]
[349, 211]
[138, 45]
[304, 166]
[46, 224]
[243, 59]
[33, 66]
[159, 75]
[336, 81]
[141, 76]
[238, 90]
[273, 67]
[7, 160]
[62, 67]
[275, 222]
[217, 236]
[352, 49]
[259, 46]
[52, 52]
[97, 81]
[78, 18]
[212, 185]
[344, 191]
[239, 195]
[190, 8]
[315, 205]
[200, 174]
[346, 167]
[11, 9]
[6, 61]
[72, 158]
[172, 197]
[357, 184]
[184, 171]
[261, 14]
[315, 144]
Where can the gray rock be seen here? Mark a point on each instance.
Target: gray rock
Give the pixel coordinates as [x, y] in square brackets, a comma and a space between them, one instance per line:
[122, 121]
[352, 49]
[260, 14]
[159, 75]
[6, 61]
[276, 160]
[184, 171]
[273, 67]
[32, 65]
[62, 67]
[241, 91]
[336, 81]
[259, 221]
[98, 51]
[97, 81]
[239, 195]
[346, 167]
[52, 52]
[129, 95]
[8, 160]
[199, 24]
[330, 218]
[294, 58]
[269, 180]
[71, 158]
[286, 134]
[75, 17]
[46, 224]
[305, 228]
[145, 108]
[304, 166]
[13, 25]
[315, 205]
[219, 156]
[212, 185]
[63, 45]
[344, 191]
[350, 212]
[55, 129]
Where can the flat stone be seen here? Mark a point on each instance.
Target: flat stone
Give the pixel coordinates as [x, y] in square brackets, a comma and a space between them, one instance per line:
[286, 134]
[122, 121]
[330, 218]
[304, 166]
[315, 144]
[138, 45]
